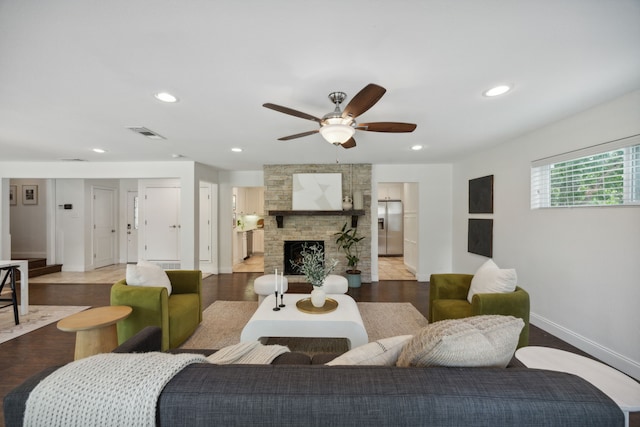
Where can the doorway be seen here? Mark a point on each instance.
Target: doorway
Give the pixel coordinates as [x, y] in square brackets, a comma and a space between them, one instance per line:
[397, 230]
[104, 227]
[248, 233]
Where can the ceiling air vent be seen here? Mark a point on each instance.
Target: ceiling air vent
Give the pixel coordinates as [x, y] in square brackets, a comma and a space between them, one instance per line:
[146, 132]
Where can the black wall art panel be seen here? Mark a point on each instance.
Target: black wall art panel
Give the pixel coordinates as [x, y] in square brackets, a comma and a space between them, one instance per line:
[480, 240]
[481, 195]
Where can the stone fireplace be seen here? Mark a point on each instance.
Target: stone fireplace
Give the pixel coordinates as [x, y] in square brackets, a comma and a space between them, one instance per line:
[292, 254]
[278, 183]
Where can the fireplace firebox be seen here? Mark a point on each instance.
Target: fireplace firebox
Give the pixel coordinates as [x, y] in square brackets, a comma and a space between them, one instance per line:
[292, 250]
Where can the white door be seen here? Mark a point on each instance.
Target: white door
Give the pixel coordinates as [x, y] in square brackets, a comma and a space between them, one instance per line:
[132, 226]
[104, 227]
[205, 224]
[162, 224]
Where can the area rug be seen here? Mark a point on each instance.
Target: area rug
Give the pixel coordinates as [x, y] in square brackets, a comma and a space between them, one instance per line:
[38, 316]
[223, 321]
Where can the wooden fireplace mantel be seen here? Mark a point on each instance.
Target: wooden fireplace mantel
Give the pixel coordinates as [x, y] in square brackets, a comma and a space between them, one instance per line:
[354, 214]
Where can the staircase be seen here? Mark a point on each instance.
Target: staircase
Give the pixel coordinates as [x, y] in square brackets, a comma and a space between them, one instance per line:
[39, 267]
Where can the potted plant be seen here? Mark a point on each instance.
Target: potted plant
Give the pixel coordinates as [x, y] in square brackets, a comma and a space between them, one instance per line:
[349, 241]
[315, 270]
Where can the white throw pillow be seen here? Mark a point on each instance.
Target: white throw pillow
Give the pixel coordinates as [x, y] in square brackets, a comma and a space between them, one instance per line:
[489, 279]
[383, 352]
[478, 341]
[147, 274]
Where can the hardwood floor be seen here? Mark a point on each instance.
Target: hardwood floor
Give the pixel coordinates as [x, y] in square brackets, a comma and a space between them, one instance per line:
[389, 268]
[32, 352]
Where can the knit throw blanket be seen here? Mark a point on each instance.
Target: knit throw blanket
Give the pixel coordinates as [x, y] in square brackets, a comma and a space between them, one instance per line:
[108, 389]
[252, 353]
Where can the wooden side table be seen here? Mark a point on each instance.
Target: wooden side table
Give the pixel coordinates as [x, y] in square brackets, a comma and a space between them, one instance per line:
[95, 329]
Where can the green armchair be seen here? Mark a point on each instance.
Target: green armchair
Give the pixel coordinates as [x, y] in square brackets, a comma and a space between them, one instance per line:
[178, 315]
[448, 300]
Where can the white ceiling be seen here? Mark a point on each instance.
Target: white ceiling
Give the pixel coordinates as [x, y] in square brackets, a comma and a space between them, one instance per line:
[75, 73]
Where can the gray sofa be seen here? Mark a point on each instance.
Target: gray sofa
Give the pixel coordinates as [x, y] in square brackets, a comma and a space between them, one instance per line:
[297, 390]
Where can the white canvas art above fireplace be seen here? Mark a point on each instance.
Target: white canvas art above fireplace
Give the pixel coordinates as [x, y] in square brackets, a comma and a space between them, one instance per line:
[317, 191]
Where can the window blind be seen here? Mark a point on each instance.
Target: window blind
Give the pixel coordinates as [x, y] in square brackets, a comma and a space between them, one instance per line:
[602, 175]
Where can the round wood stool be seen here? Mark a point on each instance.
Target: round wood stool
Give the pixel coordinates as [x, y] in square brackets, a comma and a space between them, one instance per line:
[95, 329]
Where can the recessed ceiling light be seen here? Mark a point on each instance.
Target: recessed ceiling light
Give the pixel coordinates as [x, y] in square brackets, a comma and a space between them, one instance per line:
[165, 97]
[177, 156]
[416, 147]
[237, 150]
[497, 90]
[99, 150]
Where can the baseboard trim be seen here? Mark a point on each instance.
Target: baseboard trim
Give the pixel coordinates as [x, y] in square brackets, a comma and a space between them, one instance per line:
[608, 356]
[423, 277]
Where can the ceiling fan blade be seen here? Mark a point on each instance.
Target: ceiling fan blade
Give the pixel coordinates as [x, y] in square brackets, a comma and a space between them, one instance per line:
[297, 135]
[387, 127]
[292, 112]
[364, 100]
[349, 143]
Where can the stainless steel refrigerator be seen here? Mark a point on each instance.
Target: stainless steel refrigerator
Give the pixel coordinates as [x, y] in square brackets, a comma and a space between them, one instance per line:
[390, 234]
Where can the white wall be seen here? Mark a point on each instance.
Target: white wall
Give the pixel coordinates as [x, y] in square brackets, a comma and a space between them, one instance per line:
[434, 214]
[28, 224]
[70, 225]
[581, 266]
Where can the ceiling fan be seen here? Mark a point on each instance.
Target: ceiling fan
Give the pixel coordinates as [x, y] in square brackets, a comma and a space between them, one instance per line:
[338, 127]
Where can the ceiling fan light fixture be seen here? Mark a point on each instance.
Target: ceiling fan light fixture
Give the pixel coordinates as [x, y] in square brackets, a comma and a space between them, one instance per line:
[337, 133]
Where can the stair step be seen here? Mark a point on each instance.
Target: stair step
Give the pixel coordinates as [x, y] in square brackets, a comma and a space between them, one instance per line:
[37, 263]
[41, 271]
[39, 267]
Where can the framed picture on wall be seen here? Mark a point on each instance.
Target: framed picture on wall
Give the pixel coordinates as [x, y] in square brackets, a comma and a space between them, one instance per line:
[480, 237]
[481, 195]
[29, 194]
[13, 194]
[317, 192]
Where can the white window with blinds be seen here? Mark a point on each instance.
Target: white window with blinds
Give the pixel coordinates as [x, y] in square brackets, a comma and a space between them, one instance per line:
[606, 174]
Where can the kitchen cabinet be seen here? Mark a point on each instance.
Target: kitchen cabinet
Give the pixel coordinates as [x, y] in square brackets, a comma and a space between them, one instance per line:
[390, 191]
[258, 241]
[252, 200]
[244, 249]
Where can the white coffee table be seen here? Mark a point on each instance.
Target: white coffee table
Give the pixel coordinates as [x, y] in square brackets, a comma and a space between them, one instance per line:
[344, 322]
[623, 390]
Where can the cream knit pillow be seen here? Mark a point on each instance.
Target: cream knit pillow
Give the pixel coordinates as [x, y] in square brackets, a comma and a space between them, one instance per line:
[478, 341]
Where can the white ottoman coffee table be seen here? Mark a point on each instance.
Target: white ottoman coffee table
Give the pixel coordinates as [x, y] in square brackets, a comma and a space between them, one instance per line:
[344, 322]
[266, 285]
[335, 284]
